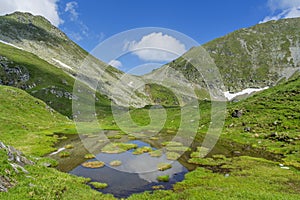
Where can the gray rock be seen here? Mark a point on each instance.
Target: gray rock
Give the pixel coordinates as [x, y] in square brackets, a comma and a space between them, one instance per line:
[17, 161]
[237, 114]
[247, 129]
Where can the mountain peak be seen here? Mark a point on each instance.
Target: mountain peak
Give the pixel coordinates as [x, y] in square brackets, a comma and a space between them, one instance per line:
[30, 22]
[28, 18]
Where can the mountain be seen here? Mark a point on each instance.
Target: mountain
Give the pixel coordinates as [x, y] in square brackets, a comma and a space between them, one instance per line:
[36, 35]
[254, 57]
[42, 80]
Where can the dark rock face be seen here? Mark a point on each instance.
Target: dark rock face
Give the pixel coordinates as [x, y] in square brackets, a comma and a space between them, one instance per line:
[280, 137]
[237, 114]
[12, 74]
[17, 161]
[247, 129]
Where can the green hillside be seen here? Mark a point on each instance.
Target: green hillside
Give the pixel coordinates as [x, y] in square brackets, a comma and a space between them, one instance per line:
[40, 79]
[28, 123]
[270, 121]
[253, 57]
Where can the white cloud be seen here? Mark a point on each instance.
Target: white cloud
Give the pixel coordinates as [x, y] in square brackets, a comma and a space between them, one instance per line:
[115, 63]
[283, 9]
[156, 47]
[71, 8]
[45, 8]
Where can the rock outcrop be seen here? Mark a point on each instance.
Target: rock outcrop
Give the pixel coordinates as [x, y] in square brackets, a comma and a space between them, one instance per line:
[17, 161]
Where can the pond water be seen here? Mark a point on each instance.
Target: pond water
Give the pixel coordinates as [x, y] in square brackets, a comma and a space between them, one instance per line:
[130, 177]
[137, 173]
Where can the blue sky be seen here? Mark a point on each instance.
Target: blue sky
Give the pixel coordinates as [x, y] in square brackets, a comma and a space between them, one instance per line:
[201, 20]
[91, 22]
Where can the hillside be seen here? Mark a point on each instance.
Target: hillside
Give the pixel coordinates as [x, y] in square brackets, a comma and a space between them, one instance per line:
[27, 71]
[270, 120]
[256, 157]
[28, 123]
[36, 35]
[253, 57]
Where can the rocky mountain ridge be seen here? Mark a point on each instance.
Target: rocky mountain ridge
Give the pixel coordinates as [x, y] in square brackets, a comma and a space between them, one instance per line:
[36, 35]
[254, 57]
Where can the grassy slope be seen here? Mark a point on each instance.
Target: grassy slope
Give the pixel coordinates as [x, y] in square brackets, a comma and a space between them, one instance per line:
[250, 57]
[45, 183]
[26, 121]
[251, 178]
[46, 76]
[276, 110]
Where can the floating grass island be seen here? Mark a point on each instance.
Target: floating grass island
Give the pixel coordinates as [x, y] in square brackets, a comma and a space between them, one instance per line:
[93, 164]
[118, 147]
[131, 137]
[142, 150]
[69, 146]
[154, 138]
[156, 153]
[178, 149]
[115, 163]
[163, 166]
[172, 144]
[172, 155]
[114, 137]
[175, 146]
[64, 154]
[157, 187]
[98, 185]
[164, 178]
[89, 156]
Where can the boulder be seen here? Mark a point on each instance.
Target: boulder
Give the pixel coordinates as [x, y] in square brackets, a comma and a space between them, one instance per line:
[237, 114]
[17, 162]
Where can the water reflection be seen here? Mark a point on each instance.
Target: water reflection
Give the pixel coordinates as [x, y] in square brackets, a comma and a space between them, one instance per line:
[136, 174]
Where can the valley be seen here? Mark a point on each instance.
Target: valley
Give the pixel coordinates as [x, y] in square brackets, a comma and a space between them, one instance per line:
[49, 152]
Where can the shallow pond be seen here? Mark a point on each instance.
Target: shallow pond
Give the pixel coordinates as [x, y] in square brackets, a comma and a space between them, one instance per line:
[131, 176]
[137, 173]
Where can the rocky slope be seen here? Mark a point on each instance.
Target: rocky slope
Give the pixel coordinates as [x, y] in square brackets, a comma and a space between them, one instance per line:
[253, 57]
[15, 162]
[27, 71]
[36, 35]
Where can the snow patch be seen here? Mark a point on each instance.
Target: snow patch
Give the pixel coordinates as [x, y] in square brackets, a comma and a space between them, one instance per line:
[56, 152]
[230, 96]
[62, 64]
[11, 45]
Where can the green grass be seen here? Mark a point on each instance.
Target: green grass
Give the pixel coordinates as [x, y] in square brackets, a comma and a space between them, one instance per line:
[161, 95]
[28, 123]
[46, 183]
[98, 185]
[47, 77]
[142, 150]
[164, 178]
[32, 127]
[248, 178]
[89, 156]
[118, 147]
[272, 111]
[251, 178]
[64, 154]
[164, 166]
[246, 58]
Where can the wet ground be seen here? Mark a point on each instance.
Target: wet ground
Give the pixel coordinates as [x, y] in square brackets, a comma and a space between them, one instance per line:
[138, 173]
